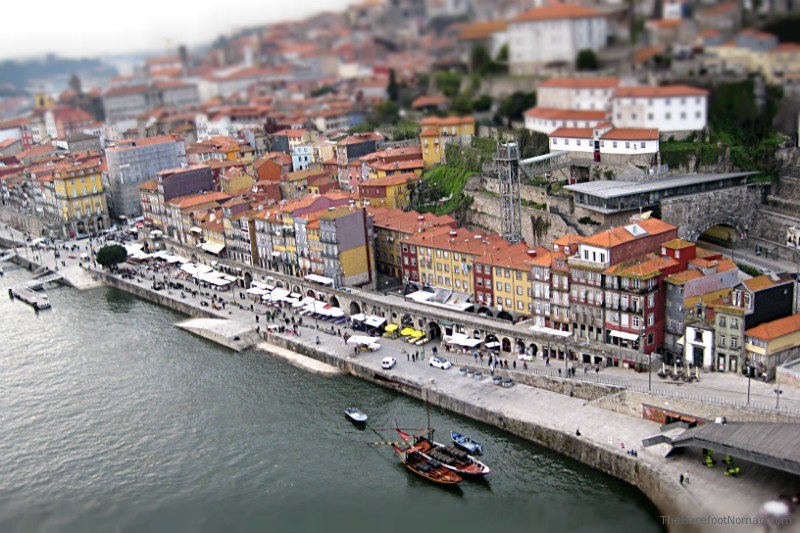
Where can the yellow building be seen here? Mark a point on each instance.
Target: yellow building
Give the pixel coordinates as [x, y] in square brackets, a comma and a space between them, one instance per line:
[511, 280]
[770, 344]
[436, 132]
[774, 62]
[236, 181]
[80, 199]
[392, 192]
[445, 258]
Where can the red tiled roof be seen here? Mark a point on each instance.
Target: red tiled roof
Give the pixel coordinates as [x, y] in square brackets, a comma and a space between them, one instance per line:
[581, 83]
[665, 91]
[479, 31]
[557, 11]
[777, 328]
[565, 114]
[631, 134]
[572, 133]
[620, 235]
[427, 101]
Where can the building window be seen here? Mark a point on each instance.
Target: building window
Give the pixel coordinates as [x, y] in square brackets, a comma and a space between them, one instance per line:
[614, 144]
[721, 341]
[478, 268]
[734, 323]
[668, 116]
[734, 342]
[722, 321]
[698, 336]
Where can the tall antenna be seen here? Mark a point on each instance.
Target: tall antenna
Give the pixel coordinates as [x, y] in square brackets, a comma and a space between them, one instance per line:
[506, 161]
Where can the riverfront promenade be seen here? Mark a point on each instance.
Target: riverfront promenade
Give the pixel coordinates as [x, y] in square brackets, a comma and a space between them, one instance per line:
[546, 417]
[726, 389]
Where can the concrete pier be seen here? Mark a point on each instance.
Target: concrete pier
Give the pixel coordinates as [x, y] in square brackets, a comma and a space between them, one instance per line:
[37, 299]
[229, 333]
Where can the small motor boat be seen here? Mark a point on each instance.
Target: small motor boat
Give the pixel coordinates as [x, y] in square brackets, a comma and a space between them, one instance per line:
[355, 415]
[466, 443]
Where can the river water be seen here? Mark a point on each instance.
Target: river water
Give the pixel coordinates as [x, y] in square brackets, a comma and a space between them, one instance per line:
[115, 420]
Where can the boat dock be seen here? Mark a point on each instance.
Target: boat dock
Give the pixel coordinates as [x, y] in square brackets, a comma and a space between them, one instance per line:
[37, 299]
[40, 283]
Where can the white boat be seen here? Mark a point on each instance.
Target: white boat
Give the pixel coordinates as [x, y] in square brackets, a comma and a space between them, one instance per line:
[355, 415]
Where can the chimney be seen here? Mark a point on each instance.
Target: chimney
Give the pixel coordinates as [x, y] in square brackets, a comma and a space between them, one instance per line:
[531, 253]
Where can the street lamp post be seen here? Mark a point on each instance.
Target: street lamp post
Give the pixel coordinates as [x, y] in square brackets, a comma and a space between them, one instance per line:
[650, 372]
[749, 376]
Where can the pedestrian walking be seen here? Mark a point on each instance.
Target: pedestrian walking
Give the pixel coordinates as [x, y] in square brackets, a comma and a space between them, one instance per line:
[547, 361]
[681, 479]
[515, 365]
[585, 370]
[597, 369]
[525, 365]
[686, 478]
[408, 356]
[559, 372]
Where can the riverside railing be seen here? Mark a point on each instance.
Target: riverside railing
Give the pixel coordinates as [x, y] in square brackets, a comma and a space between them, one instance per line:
[591, 376]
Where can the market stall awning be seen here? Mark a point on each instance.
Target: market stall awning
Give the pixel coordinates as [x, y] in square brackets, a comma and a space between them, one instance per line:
[624, 335]
[304, 302]
[550, 331]
[213, 247]
[361, 340]
[375, 321]
[322, 280]
[360, 317]
[391, 328]
[493, 344]
[195, 229]
[407, 331]
[278, 294]
[256, 291]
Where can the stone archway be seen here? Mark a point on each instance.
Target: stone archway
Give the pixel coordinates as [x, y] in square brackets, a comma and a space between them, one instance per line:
[333, 300]
[434, 331]
[520, 346]
[248, 279]
[506, 344]
[355, 309]
[483, 310]
[505, 315]
[407, 320]
[311, 294]
[297, 289]
[491, 342]
[533, 350]
[279, 284]
[725, 233]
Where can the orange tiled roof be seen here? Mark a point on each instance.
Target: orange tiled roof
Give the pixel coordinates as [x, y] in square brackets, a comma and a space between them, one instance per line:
[720, 9]
[665, 91]
[642, 267]
[679, 278]
[446, 121]
[565, 114]
[777, 328]
[184, 202]
[479, 31]
[389, 181]
[786, 48]
[664, 23]
[631, 134]
[426, 101]
[557, 11]
[572, 133]
[760, 283]
[620, 235]
[677, 244]
[581, 83]
[429, 132]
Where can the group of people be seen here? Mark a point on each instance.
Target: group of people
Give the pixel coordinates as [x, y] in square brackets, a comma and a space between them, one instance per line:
[416, 356]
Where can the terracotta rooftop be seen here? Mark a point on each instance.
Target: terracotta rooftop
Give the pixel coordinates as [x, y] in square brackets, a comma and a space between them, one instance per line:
[581, 83]
[565, 114]
[664, 91]
[556, 12]
[479, 31]
[679, 278]
[620, 235]
[408, 222]
[389, 181]
[760, 283]
[631, 134]
[642, 267]
[185, 202]
[777, 328]
[677, 244]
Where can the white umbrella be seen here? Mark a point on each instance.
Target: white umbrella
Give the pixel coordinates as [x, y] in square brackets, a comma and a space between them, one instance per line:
[775, 508]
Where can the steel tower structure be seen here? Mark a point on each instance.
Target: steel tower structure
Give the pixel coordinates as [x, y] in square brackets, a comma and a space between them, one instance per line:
[506, 161]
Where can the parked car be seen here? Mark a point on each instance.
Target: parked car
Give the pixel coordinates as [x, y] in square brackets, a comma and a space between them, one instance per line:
[440, 362]
[388, 362]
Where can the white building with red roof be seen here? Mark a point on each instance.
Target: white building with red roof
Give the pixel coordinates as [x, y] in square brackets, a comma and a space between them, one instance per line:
[554, 33]
[669, 108]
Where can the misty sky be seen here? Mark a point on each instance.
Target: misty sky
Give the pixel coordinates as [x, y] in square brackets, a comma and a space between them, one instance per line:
[103, 27]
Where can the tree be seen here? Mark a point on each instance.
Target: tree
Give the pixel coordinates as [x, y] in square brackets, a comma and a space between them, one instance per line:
[480, 59]
[393, 89]
[112, 255]
[514, 105]
[586, 60]
[386, 113]
[449, 83]
[502, 54]
[461, 105]
[532, 143]
[482, 103]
